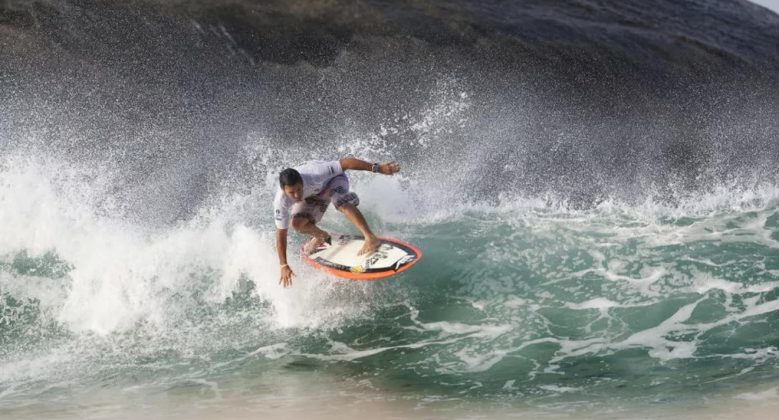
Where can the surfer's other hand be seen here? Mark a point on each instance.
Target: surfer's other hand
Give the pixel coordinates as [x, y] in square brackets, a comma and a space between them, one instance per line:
[286, 276]
[389, 168]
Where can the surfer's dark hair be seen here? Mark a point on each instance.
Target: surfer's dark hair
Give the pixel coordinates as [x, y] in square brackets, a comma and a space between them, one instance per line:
[289, 176]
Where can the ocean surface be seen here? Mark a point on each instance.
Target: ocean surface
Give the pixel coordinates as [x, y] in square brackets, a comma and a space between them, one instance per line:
[594, 185]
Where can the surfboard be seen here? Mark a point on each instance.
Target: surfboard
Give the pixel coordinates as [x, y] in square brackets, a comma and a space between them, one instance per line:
[340, 258]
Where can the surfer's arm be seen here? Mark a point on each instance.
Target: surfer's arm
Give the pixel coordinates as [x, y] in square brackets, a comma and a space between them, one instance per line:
[281, 245]
[281, 249]
[386, 168]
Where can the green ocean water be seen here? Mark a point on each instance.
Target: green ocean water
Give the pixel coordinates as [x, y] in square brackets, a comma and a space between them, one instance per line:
[593, 185]
[519, 306]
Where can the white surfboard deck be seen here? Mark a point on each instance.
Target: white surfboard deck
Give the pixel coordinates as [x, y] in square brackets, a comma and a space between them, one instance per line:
[340, 257]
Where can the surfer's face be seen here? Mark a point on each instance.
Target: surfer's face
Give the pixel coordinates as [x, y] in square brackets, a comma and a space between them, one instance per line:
[295, 192]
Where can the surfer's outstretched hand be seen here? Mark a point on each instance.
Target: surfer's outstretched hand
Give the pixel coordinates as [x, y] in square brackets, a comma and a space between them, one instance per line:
[286, 276]
[389, 168]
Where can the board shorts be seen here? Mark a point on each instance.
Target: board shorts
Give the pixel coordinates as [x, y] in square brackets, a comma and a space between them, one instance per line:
[336, 191]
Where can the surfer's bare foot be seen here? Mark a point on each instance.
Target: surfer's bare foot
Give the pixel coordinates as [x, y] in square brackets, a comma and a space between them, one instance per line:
[313, 244]
[371, 244]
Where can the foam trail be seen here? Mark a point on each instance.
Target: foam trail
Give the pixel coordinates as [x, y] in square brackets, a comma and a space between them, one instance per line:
[122, 273]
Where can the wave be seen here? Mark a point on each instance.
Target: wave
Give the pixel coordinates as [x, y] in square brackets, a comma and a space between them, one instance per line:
[586, 227]
[512, 297]
[108, 273]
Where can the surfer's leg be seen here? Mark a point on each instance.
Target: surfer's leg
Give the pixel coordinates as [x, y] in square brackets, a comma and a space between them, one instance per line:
[346, 202]
[307, 227]
[305, 216]
[358, 220]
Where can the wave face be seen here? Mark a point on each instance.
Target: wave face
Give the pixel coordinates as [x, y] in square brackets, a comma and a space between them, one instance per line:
[593, 184]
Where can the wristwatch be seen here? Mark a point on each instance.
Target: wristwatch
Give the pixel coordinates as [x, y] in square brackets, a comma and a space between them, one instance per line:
[375, 167]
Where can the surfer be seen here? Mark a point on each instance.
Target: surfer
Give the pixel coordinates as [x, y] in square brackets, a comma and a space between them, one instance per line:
[305, 193]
